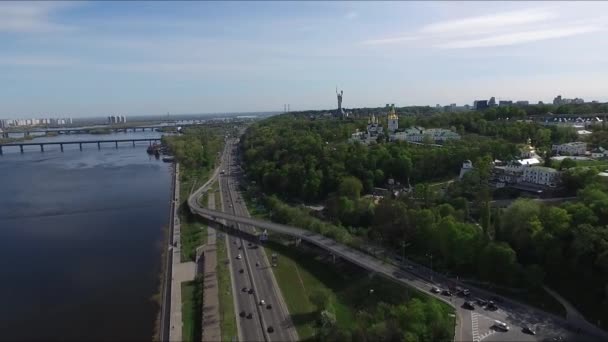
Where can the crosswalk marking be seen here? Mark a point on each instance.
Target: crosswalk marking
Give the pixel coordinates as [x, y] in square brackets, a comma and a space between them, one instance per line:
[477, 337]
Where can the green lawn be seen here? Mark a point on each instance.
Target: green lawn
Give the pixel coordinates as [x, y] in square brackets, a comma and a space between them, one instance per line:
[227, 315]
[191, 310]
[300, 272]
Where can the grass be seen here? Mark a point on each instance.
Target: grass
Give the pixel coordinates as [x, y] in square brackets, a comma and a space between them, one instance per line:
[300, 272]
[227, 314]
[192, 310]
[193, 228]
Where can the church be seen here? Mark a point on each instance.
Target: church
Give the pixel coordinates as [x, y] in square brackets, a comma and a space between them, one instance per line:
[375, 129]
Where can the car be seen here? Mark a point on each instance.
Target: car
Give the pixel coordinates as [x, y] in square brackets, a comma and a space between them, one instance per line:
[491, 306]
[268, 306]
[240, 247]
[482, 302]
[446, 293]
[249, 316]
[435, 289]
[468, 305]
[262, 302]
[244, 289]
[250, 291]
[241, 270]
[239, 257]
[466, 292]
[501, 326]
[242, 314]
[249, 244]
[270, 329]
[528, 330]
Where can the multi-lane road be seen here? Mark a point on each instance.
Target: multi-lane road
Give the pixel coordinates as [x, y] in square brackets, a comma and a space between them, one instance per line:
[252, 277]
[473, 325]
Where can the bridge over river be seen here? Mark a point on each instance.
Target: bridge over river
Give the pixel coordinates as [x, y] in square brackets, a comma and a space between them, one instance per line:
[80, 143]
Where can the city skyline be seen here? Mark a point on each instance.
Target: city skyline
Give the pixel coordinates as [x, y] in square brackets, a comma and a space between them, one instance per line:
[85, 59]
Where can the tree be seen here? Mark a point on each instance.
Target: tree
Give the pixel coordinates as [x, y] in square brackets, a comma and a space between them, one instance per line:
[498, 263]
[319, 298]
[566, 164]
[350, 187]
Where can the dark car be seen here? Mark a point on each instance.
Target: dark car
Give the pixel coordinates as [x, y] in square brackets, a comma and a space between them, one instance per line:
[249, 316]
[241, 270]
[242, 314]
[468, 305]
[244, 289]
[482, 302]
[491, 306]
[270, 329]
[446, 293]
[250, 291]
[528, 330]
[268, 306]
[466, 293]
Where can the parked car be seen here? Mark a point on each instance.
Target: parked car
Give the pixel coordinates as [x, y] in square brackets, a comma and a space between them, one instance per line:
[446, 293]
[501, 326]
[528, 330]
[468, 305]
[491, 306]
[435, 289]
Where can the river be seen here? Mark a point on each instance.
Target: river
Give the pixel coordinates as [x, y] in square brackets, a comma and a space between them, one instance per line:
[81, 234]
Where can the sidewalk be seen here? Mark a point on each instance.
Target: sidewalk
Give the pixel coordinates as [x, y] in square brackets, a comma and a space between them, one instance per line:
[211, 314]
[180, 272]
[574, 317]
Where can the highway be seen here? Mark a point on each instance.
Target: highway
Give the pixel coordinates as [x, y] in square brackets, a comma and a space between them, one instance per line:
[256, 270]
[473, 325]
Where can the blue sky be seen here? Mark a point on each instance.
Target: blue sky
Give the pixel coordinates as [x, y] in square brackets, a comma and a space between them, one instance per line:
[99, 58]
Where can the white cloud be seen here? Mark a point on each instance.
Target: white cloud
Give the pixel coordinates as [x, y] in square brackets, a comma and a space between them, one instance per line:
[488, 23]
[520, 37]
[30, 17]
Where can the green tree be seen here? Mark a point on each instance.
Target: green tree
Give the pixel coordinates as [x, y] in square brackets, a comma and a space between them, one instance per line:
[319, 298]
[350, 187]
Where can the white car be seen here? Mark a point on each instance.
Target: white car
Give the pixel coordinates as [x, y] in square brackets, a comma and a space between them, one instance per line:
[239, 257]
[501, 325]
[262, 302]
[435, 289]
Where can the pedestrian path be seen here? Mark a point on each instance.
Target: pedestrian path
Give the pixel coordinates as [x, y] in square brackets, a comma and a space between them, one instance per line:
[480, 333]
[180, 272]
[211, 313]
[574, 317]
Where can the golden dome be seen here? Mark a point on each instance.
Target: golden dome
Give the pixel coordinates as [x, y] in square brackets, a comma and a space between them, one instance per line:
[392, 115]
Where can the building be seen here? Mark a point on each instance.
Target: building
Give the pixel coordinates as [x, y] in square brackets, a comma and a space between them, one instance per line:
[373, 131]
[576, 148]
[558, 101]
[492, 102]
[481, 104]
[505, 103]
[467, 166]
[419, 134]
[116, 119]
[599, 152]
[541, 175]
[522, 103]
[393, 119]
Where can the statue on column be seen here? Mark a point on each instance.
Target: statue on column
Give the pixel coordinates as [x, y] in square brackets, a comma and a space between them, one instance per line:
[339, 95]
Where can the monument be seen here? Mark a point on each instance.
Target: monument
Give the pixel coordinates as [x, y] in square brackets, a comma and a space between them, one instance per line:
[340, 112]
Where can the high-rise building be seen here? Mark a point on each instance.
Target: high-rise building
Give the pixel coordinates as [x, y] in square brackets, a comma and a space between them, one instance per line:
[481, 104]
[492, 102]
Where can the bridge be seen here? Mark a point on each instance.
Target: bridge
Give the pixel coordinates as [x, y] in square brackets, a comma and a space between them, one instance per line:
[82, 130]
[80, 143]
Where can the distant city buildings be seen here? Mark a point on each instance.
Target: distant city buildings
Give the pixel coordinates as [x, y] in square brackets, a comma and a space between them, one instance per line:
[480, 104]
[371, 134]
[558, 101]
[116, 119]
[505, 103]
[7, 123]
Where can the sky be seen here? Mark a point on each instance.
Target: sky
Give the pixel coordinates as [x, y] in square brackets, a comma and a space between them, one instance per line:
[145, 58]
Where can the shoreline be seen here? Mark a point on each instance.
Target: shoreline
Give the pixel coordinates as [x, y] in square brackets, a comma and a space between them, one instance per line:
[161, 331]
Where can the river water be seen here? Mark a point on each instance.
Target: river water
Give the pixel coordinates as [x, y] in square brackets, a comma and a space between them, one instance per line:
[81, 234]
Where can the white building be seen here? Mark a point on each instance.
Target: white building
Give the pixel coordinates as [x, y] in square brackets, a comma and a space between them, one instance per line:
[576, 148]
[374, 129]
[599, 152]
[418, 134]
[467, 166]
[541, 175]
